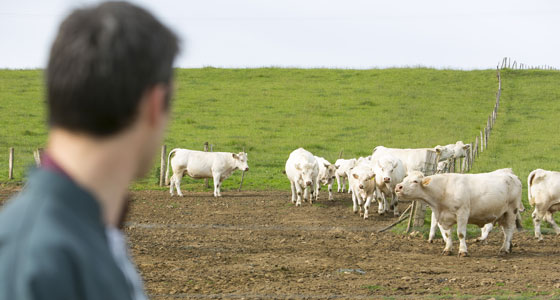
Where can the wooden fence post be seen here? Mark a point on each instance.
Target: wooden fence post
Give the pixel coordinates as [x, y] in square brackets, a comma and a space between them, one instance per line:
[11, 164]
[481, 142]
[340, 154]
[485, 137]
[242, 176]
[206, 150]
[162, 179]
[37, 157]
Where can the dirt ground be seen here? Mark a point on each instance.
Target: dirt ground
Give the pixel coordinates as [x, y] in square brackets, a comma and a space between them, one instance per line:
[257, 245]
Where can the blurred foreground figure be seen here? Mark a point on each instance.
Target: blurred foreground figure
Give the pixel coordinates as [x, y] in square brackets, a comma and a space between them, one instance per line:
[109, 79]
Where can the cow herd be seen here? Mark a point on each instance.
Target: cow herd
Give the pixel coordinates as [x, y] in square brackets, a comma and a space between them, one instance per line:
[392, 174]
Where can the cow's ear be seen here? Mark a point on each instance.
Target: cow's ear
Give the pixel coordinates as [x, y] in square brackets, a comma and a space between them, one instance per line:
[356, 176]
[326, 165]
[336, 167]
[298, 166]
[466, 147]
[235, 156]
[426, 181]
[438, 149]
[372, 176]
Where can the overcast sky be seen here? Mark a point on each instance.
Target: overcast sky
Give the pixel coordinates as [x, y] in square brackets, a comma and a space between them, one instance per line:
[313, 33]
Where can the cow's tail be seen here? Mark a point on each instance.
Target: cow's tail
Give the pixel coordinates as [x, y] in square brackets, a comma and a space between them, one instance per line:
[530, 180]
[167, 169]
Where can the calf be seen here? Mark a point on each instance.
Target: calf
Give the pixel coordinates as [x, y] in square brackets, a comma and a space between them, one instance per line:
[362, 183]
[389, 171]
[302, 170]
[468, 199]
[198, 164]
[342, 167]
[325, 176]
[543, 189]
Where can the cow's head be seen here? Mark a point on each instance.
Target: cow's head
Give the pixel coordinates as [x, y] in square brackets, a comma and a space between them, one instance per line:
[306, 172]
[412, 186]
[240, 160]
[364, 177]
[330, 173]
[460, 149]
[444, 152]
[386, 165]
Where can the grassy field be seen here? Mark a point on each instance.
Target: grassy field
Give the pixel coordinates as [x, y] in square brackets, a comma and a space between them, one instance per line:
[272, 111]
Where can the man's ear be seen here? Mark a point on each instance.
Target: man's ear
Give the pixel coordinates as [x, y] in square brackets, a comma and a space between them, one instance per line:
[155, 99]
[356, 176]
[426, 181]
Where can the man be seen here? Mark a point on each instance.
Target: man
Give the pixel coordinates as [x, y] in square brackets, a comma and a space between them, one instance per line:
[108, 84]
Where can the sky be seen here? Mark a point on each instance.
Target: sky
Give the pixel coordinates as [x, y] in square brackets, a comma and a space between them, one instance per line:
[348, 34]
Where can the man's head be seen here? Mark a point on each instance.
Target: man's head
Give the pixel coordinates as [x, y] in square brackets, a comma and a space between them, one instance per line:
[110, 71]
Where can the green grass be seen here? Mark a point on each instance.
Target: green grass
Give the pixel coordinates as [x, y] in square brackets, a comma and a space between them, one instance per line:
[272, 111]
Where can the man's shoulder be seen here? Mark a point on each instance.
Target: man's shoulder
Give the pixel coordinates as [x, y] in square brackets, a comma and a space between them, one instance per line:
[48, 235]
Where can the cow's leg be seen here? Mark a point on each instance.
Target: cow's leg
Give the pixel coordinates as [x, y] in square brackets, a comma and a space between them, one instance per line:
[537, 223]
[330, 191]
[355, 203]
[344, 179]
[294, 193]
[433, 225]
[485, 231]
[508, 227]
[462, 220]
[338, 189]
[317, 188]
[446, 233]
[306, 195]
[171, 184]
[395, 204]
[299, 192]
[366, 206]
[178, 177]
[360, 203]
[381, 204]
[216, 179]
[550, 219]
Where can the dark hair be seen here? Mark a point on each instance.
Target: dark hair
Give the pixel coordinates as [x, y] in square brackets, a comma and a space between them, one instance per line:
[101, 62]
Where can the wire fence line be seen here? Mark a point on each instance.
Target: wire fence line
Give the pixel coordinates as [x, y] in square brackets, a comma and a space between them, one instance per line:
[508, 63]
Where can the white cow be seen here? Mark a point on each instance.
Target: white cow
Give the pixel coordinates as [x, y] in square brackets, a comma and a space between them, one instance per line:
[302, 170]
[457, 150]
[361, 181]
[468, 199]
[389, 171]
[412, 159]
[342, 167]
[543, 189]
[325, 176]
[198, 164]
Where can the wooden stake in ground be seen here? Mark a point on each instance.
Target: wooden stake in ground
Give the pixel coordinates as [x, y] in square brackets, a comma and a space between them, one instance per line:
[11, 164]
[37, 155]
[340, 154]
[162, 165]
[206, 150]
[412, 211]
[242, 177]
[401, 218]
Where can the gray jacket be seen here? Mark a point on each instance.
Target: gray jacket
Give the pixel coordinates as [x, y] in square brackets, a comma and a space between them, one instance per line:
[53, 244]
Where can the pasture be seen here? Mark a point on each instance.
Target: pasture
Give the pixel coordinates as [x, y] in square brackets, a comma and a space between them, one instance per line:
[255, 244]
